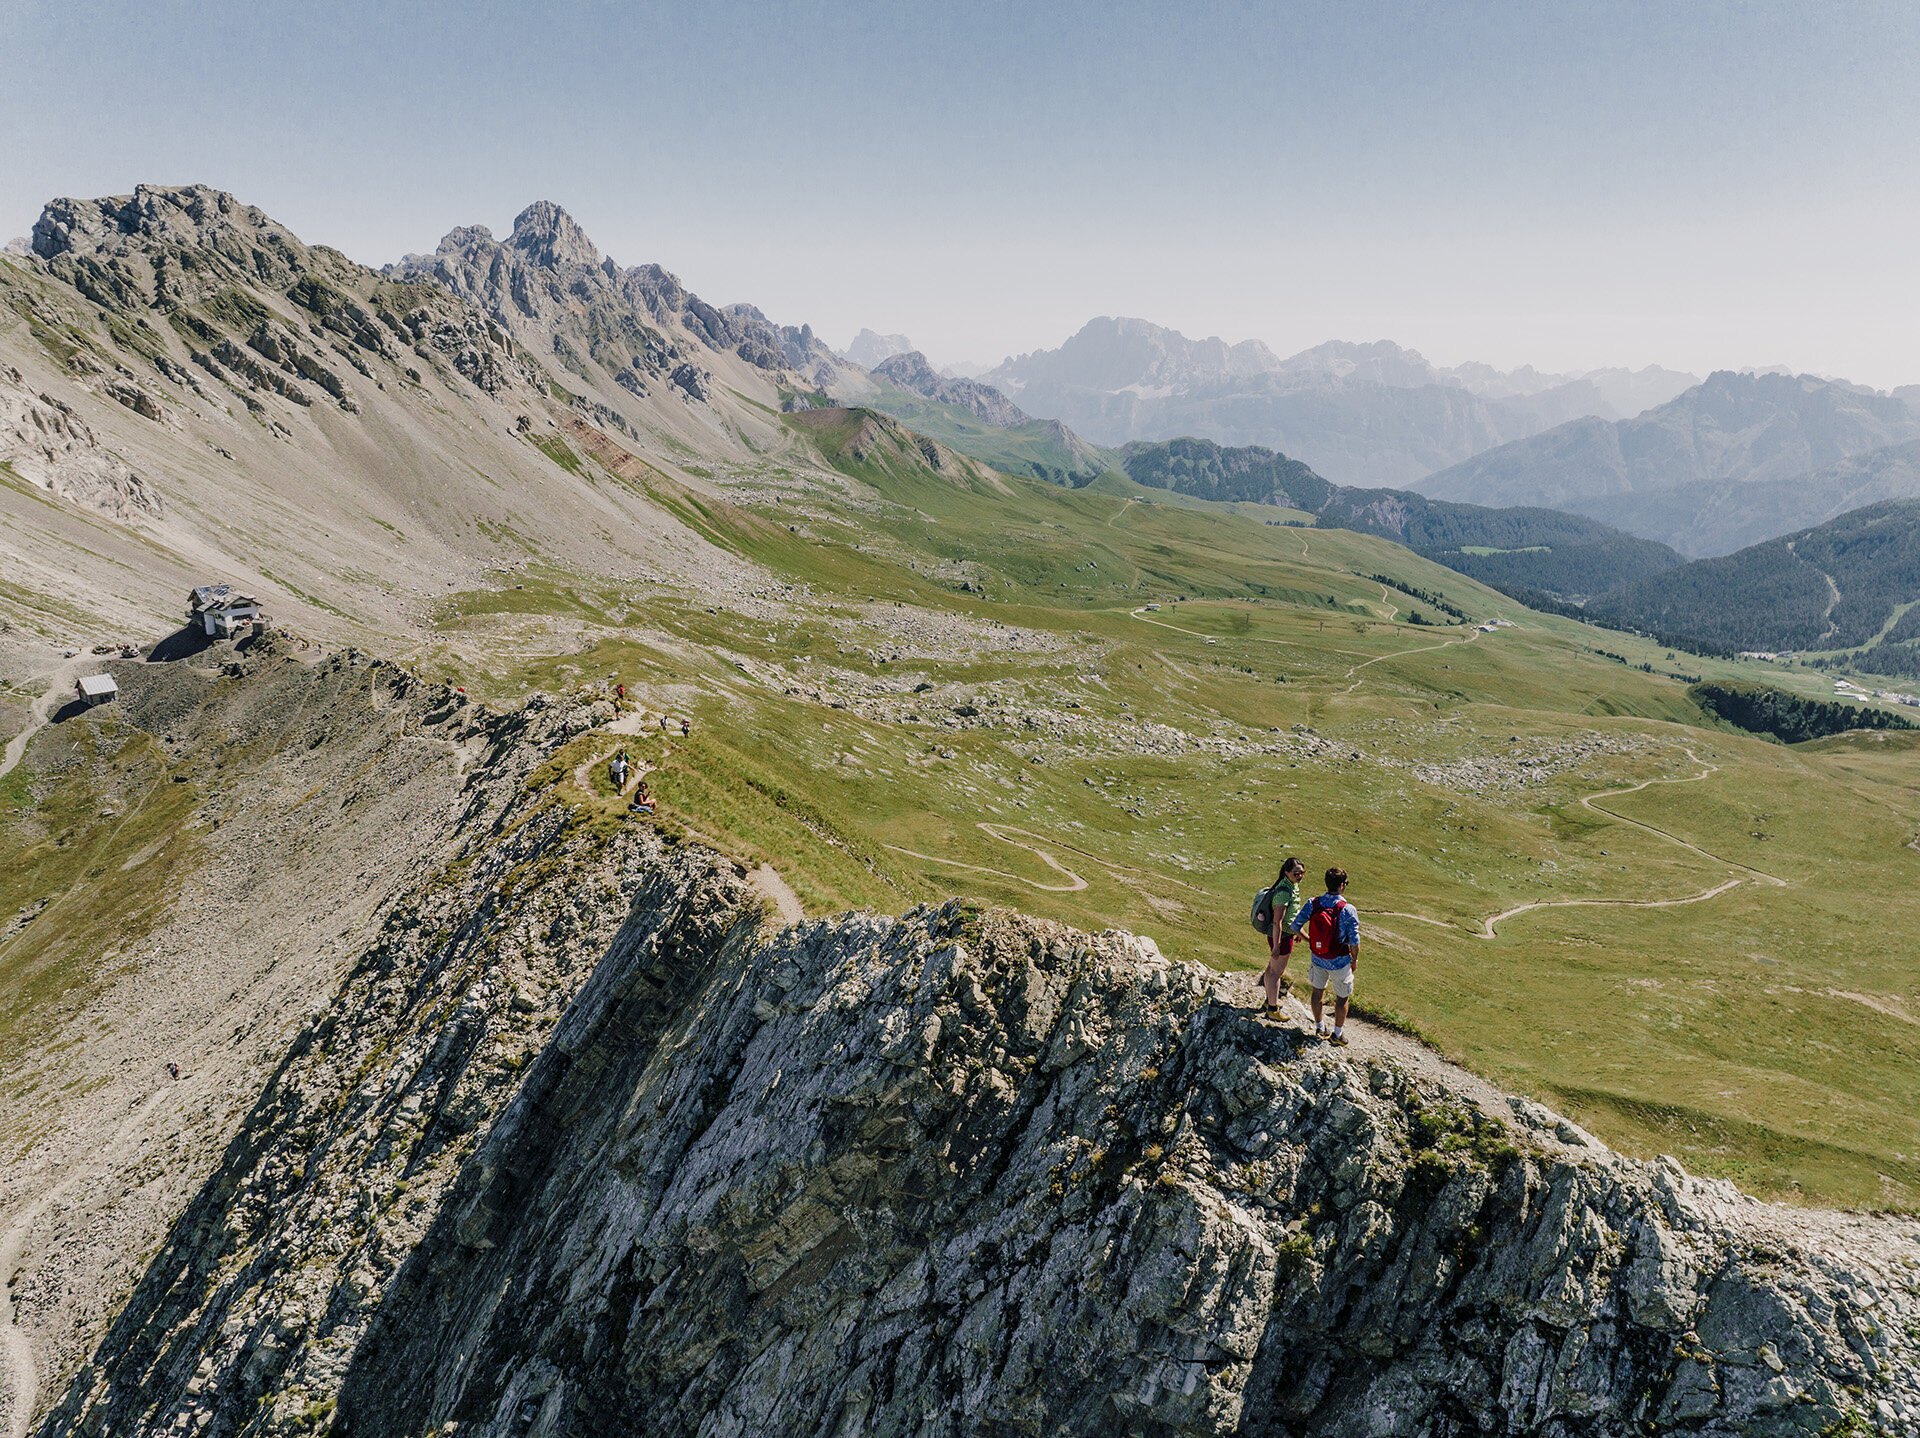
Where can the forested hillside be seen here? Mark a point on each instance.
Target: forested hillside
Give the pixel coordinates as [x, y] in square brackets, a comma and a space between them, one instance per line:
[1544, 549]
[1793, 718]
[1835, 586]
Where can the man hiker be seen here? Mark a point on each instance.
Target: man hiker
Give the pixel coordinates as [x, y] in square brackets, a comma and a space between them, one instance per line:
[1332, 927]
[1283, 906]
[617, 770]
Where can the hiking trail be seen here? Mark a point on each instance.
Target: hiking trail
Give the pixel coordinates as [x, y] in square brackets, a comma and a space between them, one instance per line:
[1400, 654]
[1474, 634]
[39, 714]
[995, 831]
[1486, 930]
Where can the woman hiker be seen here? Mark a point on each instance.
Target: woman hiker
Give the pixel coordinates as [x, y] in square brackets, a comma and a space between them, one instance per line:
[1284, 902]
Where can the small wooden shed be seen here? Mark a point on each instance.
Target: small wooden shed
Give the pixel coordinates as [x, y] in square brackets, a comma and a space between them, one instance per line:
[97, 689]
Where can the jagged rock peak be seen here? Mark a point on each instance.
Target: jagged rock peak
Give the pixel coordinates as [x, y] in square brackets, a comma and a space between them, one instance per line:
[547, 234]
[180, 214]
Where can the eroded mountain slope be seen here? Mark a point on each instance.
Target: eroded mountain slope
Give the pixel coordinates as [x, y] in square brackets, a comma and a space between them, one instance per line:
[573, 1141]
[188, 389]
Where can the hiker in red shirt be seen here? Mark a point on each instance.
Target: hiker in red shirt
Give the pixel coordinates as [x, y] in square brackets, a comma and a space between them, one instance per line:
[1333, 934]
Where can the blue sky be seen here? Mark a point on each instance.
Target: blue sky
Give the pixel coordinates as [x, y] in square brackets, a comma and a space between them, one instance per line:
[1565, 184]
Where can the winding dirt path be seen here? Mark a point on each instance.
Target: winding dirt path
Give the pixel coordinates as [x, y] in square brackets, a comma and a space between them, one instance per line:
[1401, 654]
[39, 714]
[1487, 925]
[1472, 635]
[1074, 886]
[1120, 511]
[1705, 769]
[1115, 869]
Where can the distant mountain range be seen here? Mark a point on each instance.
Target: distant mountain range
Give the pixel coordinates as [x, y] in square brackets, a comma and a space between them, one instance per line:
[869, 349]
[1722, 515]
[1537, 549]
[1364, 414]
[1846, 583]
[1737, 458]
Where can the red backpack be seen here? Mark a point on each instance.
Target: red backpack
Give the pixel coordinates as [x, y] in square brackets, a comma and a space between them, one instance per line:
[1323, 929]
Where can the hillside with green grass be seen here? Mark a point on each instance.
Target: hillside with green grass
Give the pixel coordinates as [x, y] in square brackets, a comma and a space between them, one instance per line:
[1575, 880]
[910, 672]
[1037, 449]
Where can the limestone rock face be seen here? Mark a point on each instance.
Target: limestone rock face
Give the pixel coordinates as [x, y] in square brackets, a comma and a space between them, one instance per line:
[911, 371]
[956, 1173]
[46, 443]
[950, 1176]
[551, 285]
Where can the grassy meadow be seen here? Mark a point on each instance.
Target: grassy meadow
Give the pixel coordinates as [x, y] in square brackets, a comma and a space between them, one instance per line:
[1118, 707]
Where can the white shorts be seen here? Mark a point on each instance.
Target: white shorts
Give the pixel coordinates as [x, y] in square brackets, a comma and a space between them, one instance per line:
[1340, 980]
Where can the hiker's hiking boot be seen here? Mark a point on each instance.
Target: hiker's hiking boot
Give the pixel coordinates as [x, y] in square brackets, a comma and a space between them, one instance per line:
[1339, 1040]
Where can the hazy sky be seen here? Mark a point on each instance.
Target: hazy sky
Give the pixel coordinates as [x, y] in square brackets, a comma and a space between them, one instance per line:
[1557, 183]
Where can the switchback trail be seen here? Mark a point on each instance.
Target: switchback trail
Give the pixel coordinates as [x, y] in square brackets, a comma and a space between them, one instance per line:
[1073, 887]
[1000, 832]
[1401, 654]
[1486, 930]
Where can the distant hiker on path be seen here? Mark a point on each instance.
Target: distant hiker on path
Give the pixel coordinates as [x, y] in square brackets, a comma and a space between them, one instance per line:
[1280, 905]
[686, 727]
[617, 770]
[1332, 927]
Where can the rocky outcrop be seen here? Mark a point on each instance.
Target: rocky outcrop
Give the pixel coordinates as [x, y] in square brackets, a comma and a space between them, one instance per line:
[551, 285]
[951, 1173]
[217, 274]
[912, 372]
[43, 441]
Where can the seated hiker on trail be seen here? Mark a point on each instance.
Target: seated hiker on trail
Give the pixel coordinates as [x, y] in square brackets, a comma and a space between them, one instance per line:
[1332, 927]
[642, 798]
[1279, 906]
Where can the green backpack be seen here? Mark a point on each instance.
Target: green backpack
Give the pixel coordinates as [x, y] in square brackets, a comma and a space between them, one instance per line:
[1262, 916]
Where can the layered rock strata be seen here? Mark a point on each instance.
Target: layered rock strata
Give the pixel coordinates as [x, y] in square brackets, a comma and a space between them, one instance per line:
[951, 1173]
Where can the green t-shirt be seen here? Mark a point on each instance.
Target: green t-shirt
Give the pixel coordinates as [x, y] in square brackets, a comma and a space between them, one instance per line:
[1286, 905]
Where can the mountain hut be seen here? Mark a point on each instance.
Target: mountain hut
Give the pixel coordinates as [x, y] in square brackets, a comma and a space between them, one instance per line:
[219, 609]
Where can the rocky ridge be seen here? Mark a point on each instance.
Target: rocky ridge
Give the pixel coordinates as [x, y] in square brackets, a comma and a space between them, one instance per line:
[912, 372]
[578, 1138]
[640, 327]
[172, 357]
